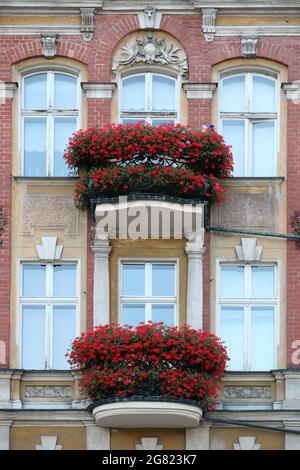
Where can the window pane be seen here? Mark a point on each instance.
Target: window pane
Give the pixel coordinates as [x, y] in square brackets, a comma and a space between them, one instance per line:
[264, 98]
[232, 282]
[232, 333]
[132, 121]
[65, 91]
[163, 280]
[35, 138]
[263, 148]
[64, 280]
[64, 331]
[262, 338]
[234, 134]
[163, 94]
[133, 279]
[133, 314]
[35, 91]
[263, 281]
[34, 280]
[133, 93]
[63, 129]
[33, 337]
[163, 313]
[233, 94]
[158, 122]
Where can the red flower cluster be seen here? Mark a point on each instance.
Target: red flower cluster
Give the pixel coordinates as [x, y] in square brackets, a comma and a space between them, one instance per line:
[151, 359]
[165, 180]
[204, 151]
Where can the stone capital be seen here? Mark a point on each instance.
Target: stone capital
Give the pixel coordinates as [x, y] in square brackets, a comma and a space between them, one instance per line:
[199, 91]
[7, 90]
[98, 90]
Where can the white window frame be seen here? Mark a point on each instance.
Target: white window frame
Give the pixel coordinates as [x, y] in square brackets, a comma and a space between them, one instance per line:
[250, 118]
[48, 302]
[149, 300]
[148, 115]
[50, 113]
[247, 302]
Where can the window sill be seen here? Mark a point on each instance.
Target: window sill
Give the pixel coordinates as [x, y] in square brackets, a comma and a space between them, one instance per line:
[253, 181]
[47, 180]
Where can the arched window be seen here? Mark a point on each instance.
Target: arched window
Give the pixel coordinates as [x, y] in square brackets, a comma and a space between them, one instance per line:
[248, 121]
[149, 97]
[50, 115]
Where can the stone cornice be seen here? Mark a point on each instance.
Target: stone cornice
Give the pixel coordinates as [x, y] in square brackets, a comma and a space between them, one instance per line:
[199, 90]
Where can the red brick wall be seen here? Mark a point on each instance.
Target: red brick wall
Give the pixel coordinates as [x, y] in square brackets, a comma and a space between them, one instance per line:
[97, 55]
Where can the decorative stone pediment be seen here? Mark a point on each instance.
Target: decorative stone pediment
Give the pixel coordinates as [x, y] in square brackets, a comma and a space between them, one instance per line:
[48, 443]
[151, 49]
[246, 443]
[149, 443]
[248, 250]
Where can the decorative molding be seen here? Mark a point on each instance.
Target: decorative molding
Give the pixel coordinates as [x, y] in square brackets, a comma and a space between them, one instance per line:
[199, 91]
[47, 391]
[292, 90]
[209, 23]
[249, 46]
[150, 18]
[49, 250]
[49, 42]
[7, 90]
[151, 50]
[258, 30]
[98, 90]
[87, 23]
[149, 443]
[48, 443]
[241, 392]
[246, 443]
[50, 211]
[248, 250]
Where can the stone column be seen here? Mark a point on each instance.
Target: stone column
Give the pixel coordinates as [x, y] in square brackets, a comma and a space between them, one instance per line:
[197, 438]
[101, 251]
[97, 438]
[194, 307]
[4, 434]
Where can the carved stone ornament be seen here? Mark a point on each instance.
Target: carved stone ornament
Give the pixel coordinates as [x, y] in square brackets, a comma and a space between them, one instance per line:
[246, 443]
[209, 23]
[151, 50]
[150, 18]
[87, 23]
[248, 250]
[48, 443]
[247, 392]
[47, 391]
[49, 42]
[49, 250]
[149, 443]
[249, 46]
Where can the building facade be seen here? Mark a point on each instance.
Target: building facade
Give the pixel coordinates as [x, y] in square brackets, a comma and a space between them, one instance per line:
[77, 64]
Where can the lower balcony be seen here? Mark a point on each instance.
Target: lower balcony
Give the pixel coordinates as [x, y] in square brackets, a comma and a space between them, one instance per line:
[137, 413]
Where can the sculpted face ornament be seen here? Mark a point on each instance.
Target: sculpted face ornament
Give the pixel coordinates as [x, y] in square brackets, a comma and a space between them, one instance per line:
[151, 50]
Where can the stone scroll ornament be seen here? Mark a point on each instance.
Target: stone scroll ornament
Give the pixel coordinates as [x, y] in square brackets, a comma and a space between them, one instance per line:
[151, 50]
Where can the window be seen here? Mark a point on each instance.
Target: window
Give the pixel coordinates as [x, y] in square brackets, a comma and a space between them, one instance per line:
[149, 97]
[148, 292]
[50, 116]
[248, 115]
[247, 306]
[48, 314]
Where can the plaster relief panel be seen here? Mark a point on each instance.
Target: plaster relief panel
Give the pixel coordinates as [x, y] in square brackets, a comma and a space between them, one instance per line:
[50, 211]
[47, 391]
[255, 392]
[246, 210]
